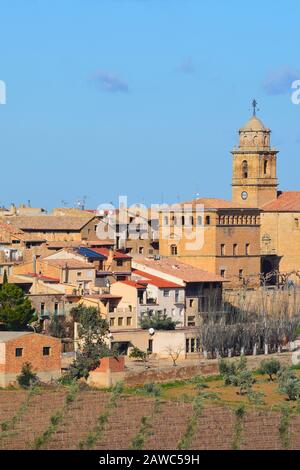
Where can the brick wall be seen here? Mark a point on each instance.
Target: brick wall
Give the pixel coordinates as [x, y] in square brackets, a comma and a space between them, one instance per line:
[32, 345]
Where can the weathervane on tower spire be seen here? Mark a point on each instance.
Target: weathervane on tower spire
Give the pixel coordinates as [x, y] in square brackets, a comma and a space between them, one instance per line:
[254, 105]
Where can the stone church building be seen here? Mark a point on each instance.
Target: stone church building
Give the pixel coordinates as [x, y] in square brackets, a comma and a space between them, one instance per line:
[250, 240]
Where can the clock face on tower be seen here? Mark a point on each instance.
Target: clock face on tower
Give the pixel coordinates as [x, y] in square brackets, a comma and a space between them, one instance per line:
[244, 195]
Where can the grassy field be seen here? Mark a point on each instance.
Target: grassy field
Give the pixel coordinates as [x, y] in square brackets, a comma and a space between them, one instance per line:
[214, 391]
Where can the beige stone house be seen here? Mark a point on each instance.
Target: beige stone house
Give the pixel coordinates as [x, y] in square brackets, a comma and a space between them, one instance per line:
[54, 228]
[202, 289]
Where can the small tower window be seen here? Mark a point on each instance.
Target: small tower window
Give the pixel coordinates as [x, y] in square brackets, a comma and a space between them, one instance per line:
[207, 220]
[265, 167]
[245, 169]
[173, 250]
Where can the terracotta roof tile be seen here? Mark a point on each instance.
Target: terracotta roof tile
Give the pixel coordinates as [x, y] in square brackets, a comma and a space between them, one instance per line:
[287, 201]
[50, 222]
[18, 233]
[136, 284]
[214, 203]
[175, 267]
[70, 263]
[156, 281]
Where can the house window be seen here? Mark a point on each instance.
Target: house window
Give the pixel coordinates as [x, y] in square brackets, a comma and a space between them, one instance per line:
[191, 302]
[247, 249]
[297, 223]
[46, 351]
[182, 221]
[234, 249]
[128, 321]
[187, 345]
[222, 272]
[173, 250]
[56, 308]
[166, 220]
[141, 250]
[150, 346]
[42, 308]
[222, 249]
[176, 296]
[241, 274]
[1, 270]
[112, 322]
[207, 220]
[79, 274]
[120, 321]
[192, 345]
[19, 352]
[199, 220]
[119, 262]
[166, 293]
[191, 220]
[245, 169]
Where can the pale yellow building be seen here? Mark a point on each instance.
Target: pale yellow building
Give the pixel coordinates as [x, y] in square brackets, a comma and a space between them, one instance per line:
[246, 239]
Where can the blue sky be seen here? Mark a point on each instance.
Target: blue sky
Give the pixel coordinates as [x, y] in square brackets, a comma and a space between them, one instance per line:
[141, 97]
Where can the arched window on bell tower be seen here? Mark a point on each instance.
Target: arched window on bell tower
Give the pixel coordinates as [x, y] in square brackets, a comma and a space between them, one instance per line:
[245, 169]
[265, 167]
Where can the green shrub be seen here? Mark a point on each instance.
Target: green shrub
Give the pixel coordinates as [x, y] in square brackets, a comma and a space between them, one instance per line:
[151, 389]
[284, 426]
[245, 381]
[158, 321]
[289, 383]
[236, 374]
[27, 377]
[255, 398]
[210, 396]
[137, 353]
[291, 387]
[270, 367]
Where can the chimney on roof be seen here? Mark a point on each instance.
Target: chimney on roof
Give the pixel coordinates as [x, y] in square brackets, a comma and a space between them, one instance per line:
[34, 264]
[66, 274]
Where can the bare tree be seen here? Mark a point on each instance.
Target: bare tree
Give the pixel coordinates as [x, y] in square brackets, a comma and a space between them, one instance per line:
[174, 353]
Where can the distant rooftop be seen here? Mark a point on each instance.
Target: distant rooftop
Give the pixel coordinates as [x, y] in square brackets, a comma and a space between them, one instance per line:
[50, 222]
[287, 201]
[174, 267]
[9, 335]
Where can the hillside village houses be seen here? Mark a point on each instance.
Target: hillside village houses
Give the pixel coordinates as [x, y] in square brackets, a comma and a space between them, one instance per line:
[128, 268]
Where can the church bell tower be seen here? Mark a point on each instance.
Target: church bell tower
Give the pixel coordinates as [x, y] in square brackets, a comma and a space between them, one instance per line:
[254, 181]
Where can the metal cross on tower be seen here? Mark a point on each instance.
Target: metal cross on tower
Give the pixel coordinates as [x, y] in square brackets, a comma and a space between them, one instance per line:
[254, 105]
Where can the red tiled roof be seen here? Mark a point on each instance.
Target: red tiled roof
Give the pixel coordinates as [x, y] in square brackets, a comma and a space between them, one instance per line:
[43, 278]
[156, 281]
[121, 255]
[101, 251]
[116, 254]
[136, 284]
[287, 201]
